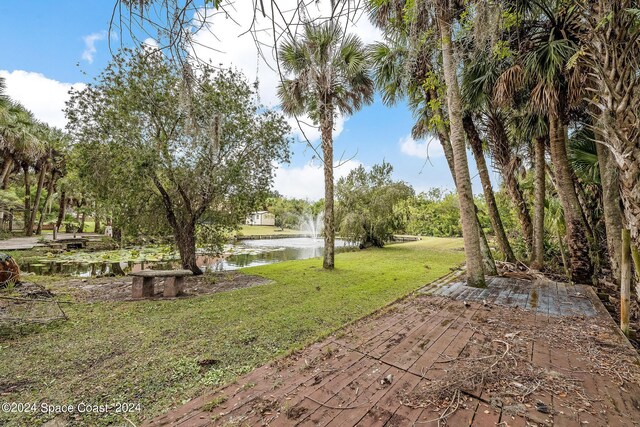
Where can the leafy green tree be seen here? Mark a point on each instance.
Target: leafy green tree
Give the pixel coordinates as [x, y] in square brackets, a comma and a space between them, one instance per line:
[541, 69]
[329, 74]
[421, 61]
[201, 150]
[366, 205]
[287, 212]
[434, 213]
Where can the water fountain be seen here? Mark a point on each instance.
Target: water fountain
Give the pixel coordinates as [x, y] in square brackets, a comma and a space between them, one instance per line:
[311, 226]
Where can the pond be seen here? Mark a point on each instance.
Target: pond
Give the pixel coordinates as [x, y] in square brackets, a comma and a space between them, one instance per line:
[247, 253]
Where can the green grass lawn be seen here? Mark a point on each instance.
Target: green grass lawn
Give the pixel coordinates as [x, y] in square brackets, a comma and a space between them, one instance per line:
[148, 351]
[261, 230]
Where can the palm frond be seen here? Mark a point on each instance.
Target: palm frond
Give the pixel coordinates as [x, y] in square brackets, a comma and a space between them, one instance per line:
[583, 156]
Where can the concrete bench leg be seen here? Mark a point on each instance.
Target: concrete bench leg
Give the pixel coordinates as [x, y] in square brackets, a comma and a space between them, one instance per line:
[142, 287]
[173, 286]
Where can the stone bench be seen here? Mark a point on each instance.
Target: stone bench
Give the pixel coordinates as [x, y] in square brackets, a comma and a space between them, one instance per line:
[143, 282]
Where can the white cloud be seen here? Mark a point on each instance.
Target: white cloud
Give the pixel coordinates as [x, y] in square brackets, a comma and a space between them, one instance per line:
[429, 149]
[226, 41]
[312, 133]
[307, 182]
[43, 96]
[90, 45]
[150, 42]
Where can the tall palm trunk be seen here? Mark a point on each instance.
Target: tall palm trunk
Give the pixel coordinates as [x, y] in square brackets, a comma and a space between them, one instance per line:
[488, 263]
[5, 181]
[326, 125]
[577, 243]
[503, 156]
[487, 257]
[63, 208]
[475, 272]
[43, 209]
[6, 169]
[494, 215]
[630, 193]
[537, 256]
[611, 208]
[36, 201]
[612, 47]
[27, 198]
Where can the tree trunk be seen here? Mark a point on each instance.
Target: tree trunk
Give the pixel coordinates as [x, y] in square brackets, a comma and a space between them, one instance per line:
[327, 152]
[611, 208]
[487, 258]
[83, 218]
[96, 228]
[502, 154]
[630, 191]
[63, 208]
[475, 271]
[50, 188]
[27, 199]
[625, 280]
[612, 48]
[488, 262]
[537, 256]
[494, 215]
[186, 240]
[36, 202]
[6, 169]
[184, 232]
[576, 238]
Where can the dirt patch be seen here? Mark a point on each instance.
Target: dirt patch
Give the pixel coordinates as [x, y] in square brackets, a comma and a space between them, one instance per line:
[7, 387]
[119, 288]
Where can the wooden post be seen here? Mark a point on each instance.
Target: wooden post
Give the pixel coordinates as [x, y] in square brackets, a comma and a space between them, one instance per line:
[10, 220]
[625, 281]
[635, 254]
[55, 232]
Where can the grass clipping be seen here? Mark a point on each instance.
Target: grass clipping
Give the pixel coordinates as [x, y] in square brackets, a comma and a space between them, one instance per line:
[496, 367]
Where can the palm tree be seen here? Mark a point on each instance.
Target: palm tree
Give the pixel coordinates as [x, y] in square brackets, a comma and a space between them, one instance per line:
[475, 272]
[553, 32]
[56, 142]
[18, 139]
[327, 73]
[49, 138]
[407, 65]
[478, 78]
[533, 130]
[612, 54]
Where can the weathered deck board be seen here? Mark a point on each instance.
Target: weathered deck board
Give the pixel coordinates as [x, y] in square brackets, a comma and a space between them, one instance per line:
[340, 381]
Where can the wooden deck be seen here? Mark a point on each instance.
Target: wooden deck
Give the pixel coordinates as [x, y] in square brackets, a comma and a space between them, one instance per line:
[514, 354]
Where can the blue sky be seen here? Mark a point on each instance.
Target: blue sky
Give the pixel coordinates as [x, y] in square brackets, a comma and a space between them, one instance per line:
[48, 46]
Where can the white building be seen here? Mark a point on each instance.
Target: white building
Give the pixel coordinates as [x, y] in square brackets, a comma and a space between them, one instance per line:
[261, 218]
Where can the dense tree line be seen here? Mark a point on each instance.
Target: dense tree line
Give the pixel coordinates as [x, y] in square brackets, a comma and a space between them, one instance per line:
[545, 90]
[33, 169]
[520, 81]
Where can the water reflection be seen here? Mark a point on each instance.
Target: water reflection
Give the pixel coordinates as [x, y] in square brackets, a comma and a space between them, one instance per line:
[248, 253]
